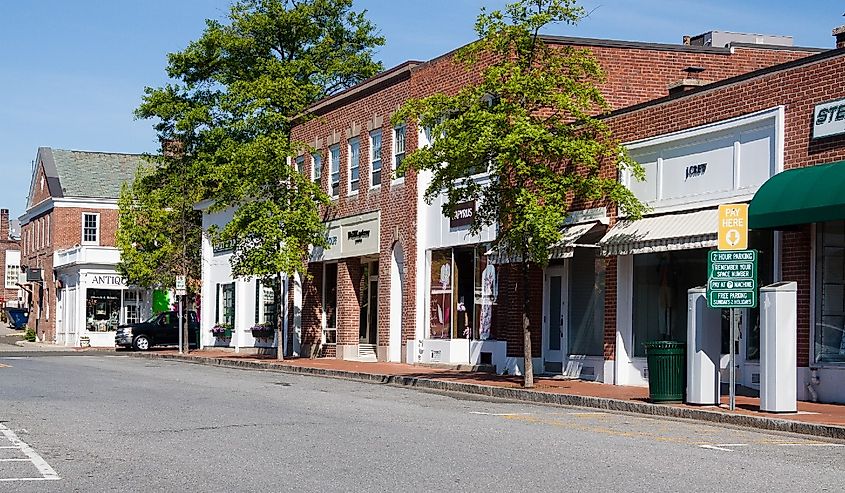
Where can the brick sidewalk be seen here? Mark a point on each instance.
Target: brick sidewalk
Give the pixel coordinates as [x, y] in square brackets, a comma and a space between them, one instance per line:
[832, 415]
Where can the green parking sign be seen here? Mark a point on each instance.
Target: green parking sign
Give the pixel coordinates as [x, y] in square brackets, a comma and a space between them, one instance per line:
[732, 279]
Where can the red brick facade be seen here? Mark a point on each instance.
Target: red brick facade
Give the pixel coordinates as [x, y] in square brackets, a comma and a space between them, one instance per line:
[636, 73]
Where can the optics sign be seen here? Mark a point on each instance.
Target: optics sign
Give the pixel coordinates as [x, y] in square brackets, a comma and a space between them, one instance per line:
[829, 119]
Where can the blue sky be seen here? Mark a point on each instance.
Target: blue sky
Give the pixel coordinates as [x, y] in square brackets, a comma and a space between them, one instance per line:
[72, 72]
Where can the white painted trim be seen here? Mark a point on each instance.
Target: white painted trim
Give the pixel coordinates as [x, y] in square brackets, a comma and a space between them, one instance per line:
[82, 240]
[624, 318]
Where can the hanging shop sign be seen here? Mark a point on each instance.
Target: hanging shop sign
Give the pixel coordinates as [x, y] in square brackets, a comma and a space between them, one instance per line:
[464, 214]
[829, 119]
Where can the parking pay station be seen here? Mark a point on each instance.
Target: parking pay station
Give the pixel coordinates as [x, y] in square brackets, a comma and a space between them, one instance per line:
[704, 344]
[778, 337]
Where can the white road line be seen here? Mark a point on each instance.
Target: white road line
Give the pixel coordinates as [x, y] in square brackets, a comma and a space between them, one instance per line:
[8, 446]
[47, 472]
[5, 480]
[498, 414]
[721, 446]
[14, 460]
[811, 445]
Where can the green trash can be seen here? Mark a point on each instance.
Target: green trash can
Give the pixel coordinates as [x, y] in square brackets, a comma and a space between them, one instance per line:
[666, 371]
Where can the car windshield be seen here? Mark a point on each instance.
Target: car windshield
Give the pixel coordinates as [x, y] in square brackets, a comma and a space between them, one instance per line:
[151, 319]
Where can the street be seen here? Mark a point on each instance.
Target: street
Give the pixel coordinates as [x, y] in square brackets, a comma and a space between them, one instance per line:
[110, 422]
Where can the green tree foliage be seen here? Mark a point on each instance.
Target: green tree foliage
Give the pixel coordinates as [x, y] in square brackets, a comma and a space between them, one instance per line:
[239, 91]
[529, 123]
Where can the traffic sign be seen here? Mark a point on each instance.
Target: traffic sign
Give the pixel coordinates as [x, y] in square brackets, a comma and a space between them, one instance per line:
[733, 226]
[181, 286]
[732, 279]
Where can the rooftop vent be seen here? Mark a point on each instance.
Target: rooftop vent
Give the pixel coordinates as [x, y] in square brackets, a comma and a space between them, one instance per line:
[720, 39]
[691, 80]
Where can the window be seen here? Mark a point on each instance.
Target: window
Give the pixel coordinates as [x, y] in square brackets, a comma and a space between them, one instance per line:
[132, 302]
[316, 167]
[586, 303]
[375, 158]
[102, 309]
[90, 228]
[13, 274]
[300, 164]
[227, 308]
[398, 149]
[330, 303]
[829, 330]
[354, 165]
[463, 294]
[47, 227]
[334, 163]
[265, 304]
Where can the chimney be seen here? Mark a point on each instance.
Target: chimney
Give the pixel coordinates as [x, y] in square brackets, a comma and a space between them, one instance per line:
[839, 34]
[4, 224]
[690, 81]
[686, 40]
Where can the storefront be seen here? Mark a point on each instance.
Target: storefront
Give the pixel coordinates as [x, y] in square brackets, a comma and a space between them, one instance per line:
[349, 270]
[461, 293]
[93, 299]
[240, 313]
[661, 256]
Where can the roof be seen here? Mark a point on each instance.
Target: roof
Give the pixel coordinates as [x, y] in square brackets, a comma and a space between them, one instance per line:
[88, 174]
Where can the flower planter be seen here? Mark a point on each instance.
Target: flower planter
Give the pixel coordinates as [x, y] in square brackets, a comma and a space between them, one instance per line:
[262, 333]
[222, 334]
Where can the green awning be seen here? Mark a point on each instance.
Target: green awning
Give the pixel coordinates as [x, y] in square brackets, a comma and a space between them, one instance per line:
[800, 196]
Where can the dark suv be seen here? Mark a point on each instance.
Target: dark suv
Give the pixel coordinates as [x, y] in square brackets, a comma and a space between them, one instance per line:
[159, 330]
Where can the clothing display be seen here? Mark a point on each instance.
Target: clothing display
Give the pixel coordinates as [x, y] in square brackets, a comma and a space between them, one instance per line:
[489, 293]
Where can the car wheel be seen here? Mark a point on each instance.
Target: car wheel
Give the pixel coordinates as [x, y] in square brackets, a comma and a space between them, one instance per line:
[141, 343]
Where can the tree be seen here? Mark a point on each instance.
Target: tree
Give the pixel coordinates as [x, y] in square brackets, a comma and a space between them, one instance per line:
[159, 233]
[242, 87]
[529, 122]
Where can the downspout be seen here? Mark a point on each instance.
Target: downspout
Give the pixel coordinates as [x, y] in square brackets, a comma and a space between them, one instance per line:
[811, 385]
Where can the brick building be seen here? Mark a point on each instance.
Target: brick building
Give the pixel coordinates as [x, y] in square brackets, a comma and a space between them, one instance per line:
[10, 260]
[391, 286]
[774, 137]
[68, 247]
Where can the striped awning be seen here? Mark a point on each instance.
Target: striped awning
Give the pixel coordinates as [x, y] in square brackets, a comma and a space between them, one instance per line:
[565, 248]
[676, 231]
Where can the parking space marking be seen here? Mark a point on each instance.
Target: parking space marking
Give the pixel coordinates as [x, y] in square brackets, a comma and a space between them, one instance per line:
[5, 366]
[47, 472]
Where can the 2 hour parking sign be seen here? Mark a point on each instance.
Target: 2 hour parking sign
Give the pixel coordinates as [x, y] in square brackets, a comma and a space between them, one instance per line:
[732, 279]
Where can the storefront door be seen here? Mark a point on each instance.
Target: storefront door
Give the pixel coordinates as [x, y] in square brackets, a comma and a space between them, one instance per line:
[554, 319]
[369, 305]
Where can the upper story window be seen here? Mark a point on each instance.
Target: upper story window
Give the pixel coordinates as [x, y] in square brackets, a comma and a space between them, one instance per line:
[354, 165]
[90, 228]
[316, 167]
[375, 158]
[334, 163]
[300, 164]
[398, 149]
[13, 274]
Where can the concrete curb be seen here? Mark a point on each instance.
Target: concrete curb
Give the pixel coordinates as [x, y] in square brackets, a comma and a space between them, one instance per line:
[531, 396]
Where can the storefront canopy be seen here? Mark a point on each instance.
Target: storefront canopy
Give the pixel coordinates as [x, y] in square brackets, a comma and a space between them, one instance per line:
[565, 248]
[800, 196]
[678, 231]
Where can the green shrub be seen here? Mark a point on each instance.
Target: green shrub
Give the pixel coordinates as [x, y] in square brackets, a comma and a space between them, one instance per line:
[29, 335]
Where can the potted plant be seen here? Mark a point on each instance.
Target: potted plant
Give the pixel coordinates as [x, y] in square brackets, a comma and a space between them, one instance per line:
[262, 330]
[222, 330]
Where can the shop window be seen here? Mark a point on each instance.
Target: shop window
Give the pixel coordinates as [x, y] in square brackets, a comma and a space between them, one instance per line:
[334, 163]
[764, 243]
[375, 158]
[102, 309]
[660, 285]
[354, 165]
[829, 330]
[463, 293]
[90, 228]
[586, 304]
[398, 150]
[132, 302]
[316, 167]
[330, 303]
[226, 307]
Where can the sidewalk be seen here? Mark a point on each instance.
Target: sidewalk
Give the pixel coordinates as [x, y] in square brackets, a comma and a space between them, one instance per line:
[823, 420]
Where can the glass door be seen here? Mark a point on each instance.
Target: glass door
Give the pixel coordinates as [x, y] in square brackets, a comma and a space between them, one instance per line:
[554, 319]
[368, 321]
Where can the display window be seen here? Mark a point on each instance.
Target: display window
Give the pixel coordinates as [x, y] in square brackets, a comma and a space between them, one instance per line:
[829, 329]
[463, 290]
[102, 309]
[330, 303]
[586, 304]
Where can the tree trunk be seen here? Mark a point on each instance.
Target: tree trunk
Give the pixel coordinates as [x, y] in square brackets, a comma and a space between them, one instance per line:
[280, 323]
[528, 381]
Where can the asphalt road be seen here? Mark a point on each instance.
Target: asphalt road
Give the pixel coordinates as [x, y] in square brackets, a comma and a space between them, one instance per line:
[113, 422]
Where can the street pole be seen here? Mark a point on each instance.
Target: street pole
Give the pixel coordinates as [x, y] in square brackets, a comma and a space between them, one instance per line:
[732, 363]
[180, 324]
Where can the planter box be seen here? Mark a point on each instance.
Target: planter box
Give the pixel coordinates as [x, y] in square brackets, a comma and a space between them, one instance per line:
[263, 333]
[222, 335]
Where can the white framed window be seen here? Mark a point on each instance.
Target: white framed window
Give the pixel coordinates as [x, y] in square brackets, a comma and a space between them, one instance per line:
[90, 228]
[334, 163]
[375, 158]
[300, 164]
[316, 167]
[13, 274]
[354, 158]
[398, 149]
[47, 242]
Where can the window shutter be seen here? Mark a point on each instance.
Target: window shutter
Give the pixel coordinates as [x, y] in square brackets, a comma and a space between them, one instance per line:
[258, 300]
[217, 305]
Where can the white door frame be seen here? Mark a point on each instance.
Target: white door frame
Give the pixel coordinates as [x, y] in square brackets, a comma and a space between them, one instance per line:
[557, 355]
